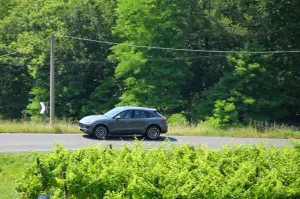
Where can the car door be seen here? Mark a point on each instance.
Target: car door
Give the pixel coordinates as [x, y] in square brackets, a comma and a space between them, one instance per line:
[139, 120]
[123, 124]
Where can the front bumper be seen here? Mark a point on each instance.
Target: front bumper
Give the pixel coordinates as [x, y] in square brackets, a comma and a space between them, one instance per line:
[86, 128]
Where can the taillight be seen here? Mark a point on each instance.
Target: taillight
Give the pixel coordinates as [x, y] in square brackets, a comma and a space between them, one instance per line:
[163, 121]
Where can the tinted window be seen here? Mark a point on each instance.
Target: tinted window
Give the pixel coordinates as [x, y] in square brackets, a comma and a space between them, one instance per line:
[125, 114]
[141, 114]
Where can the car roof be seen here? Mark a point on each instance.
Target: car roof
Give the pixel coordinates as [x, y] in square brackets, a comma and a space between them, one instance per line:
[137, 108]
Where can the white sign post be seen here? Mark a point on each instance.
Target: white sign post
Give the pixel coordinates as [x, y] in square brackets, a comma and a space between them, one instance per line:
[44, 106]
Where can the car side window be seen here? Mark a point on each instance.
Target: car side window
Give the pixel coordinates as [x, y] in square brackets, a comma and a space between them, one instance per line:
[125, 114]
[140, 114]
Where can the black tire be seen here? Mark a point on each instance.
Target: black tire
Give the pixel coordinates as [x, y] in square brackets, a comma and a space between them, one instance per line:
[153, 133]
[100, 132]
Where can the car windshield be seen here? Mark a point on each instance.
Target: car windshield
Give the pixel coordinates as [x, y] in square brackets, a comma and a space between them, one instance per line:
[113, 112]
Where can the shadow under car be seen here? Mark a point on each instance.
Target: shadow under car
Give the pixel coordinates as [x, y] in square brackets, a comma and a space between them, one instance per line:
[131, 138]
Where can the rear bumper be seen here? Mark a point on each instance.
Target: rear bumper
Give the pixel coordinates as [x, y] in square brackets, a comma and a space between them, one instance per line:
[164, 129]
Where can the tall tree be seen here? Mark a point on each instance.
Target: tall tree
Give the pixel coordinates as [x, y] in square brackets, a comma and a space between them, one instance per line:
[15, 81]
[216, 25]
[250, 91]
[148, 78]
[280, 23]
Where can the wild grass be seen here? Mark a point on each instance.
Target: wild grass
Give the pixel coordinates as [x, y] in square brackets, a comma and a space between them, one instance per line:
[245, 132]
[61, 127]
[11, 167]
[69, 127]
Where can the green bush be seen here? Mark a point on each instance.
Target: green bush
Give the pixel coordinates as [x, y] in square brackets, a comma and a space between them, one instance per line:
[167, 172]
[177, 119]
[224, 115]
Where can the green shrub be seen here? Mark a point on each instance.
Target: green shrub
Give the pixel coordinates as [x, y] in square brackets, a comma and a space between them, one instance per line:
[224, 115]
[182, 172]
[177, 119]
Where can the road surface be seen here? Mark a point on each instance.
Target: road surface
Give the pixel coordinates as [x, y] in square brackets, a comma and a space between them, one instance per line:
[12, 143]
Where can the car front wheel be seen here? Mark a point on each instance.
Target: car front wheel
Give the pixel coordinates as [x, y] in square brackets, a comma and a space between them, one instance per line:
[153, 133]
[100, 132]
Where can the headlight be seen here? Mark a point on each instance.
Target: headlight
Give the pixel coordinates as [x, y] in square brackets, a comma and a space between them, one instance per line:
[89, 122]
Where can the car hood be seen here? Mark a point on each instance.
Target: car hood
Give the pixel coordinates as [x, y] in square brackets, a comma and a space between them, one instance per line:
[92, 118]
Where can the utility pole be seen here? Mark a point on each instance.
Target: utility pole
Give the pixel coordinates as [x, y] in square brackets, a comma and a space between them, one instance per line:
[52, 82]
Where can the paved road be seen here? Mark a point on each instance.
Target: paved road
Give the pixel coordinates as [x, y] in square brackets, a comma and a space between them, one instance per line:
[10, 143]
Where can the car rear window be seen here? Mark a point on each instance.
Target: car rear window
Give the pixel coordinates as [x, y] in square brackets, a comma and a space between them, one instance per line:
[158, 114]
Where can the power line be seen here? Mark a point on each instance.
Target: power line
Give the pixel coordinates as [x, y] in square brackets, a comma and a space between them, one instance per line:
[183, 49]
[158, 59]
[182, 58]
[12, 53]
[5, 55]
[164, 48]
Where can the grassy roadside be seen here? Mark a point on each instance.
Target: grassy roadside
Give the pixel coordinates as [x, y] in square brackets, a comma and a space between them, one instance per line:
[245, 132]
[67, 127]
[11, 167]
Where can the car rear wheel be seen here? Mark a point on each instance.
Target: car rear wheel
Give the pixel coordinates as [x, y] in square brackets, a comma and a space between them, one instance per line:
[153, 133]
[100, 132]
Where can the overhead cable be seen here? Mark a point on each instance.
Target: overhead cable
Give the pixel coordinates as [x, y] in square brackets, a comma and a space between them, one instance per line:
[183, 49]
[18, 51]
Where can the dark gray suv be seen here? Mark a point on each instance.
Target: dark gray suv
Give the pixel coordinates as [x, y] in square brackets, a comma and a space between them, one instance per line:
[125, 120]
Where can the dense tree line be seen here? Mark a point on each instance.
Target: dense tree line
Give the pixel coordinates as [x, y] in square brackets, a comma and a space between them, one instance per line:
[222, 88]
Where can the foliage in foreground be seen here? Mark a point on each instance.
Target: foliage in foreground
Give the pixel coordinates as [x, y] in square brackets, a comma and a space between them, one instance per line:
[167, 172]
[11, 167]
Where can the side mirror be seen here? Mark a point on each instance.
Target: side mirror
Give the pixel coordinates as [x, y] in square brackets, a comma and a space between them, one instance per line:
[118, 117]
